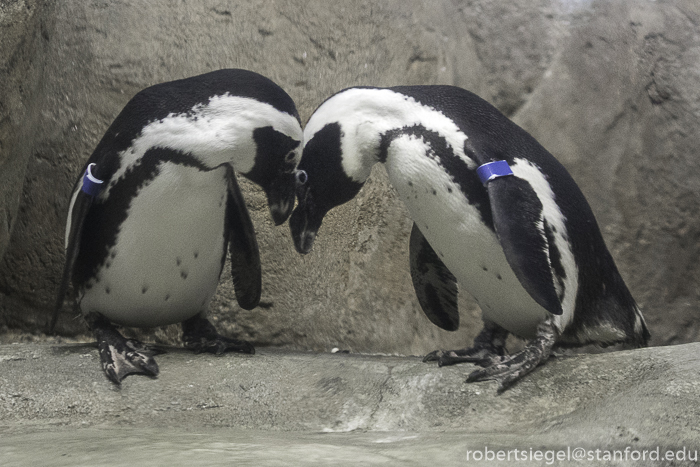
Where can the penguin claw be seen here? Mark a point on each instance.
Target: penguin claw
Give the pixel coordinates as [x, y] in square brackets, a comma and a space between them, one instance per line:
[489, 347]
[507, 370]
[199, 335]
[218, 345]
[433, 356]
[133, 357]
[120, 356]
[489, 352]
[479, 355]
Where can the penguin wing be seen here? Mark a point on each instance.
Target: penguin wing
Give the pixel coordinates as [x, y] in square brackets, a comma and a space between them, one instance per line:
[435, 285]
[78, 213]
[245, 257]
[520, 227]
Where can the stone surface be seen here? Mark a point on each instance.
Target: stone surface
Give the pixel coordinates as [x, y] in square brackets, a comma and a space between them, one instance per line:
[24, 26]
[619, 107]
[609, 87]
[56, 395]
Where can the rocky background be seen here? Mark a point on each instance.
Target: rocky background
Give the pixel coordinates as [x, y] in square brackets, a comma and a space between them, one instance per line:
[610, 87]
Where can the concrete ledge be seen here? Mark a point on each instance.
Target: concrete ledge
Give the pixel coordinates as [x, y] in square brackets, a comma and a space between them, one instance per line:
[642, 398]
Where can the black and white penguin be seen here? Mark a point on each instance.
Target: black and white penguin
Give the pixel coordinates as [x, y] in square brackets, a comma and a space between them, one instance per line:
[157, 204]
[492, 211]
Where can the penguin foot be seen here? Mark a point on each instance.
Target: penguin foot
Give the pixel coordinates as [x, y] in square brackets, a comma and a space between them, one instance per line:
[199, 335]
[121, 356]
[489, 347]
[509, 369]
[480, 355]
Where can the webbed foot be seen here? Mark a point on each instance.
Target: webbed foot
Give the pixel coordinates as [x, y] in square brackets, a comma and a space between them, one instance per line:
[199, 335]
[479, 355]
[509, 369]
[489, 346]
[121, 356]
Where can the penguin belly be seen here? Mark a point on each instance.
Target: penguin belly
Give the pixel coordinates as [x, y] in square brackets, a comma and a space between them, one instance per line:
[165, 265]
[465, 244]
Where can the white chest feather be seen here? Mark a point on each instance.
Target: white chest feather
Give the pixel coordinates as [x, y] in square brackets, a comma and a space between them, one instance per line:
[454, 229]
[165, 265]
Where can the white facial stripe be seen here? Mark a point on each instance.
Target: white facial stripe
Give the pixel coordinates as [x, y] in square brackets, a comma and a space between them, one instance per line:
[527, 171]
[365, 114]
[218, 132]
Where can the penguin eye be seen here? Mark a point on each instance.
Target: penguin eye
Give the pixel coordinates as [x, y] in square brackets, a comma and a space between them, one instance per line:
[300, 177]
[290, 157]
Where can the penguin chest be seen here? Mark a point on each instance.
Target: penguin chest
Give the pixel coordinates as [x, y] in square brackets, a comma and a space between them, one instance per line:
[165, 264]
[466, 245]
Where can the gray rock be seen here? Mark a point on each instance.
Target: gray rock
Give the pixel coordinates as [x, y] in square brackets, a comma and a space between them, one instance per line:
[609, 87]
[24, 26]
[619, 107]
[399, 411]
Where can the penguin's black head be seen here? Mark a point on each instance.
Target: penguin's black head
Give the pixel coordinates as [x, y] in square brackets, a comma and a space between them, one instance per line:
[326, 185]
[275, 171]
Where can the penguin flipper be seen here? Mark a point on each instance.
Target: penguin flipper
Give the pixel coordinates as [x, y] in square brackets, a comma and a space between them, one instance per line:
[81, 207]
[519, 223]
[435, 285]
[245, 257]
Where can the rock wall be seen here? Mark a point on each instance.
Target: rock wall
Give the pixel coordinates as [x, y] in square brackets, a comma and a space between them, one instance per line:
[24, 26]
[609, 87]
[620, 107]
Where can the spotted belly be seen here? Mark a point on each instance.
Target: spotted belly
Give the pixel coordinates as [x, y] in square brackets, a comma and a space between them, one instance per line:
[466, 245]
[165, 265]
[475, 257]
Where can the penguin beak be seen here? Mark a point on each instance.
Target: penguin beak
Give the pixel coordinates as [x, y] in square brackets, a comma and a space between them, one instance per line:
[305, 221]
[280, 197]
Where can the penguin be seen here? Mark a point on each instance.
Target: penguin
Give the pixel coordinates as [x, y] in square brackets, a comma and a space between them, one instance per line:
[493, 211]
[157, 206]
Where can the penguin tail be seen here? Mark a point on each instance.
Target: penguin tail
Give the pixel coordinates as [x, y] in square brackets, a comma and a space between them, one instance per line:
[641, 332]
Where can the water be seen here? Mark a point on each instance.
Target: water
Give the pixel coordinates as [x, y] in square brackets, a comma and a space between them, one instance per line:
[130, 446]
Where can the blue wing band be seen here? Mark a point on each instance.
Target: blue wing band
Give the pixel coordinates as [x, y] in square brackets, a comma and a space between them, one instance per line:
[91, 185]
[491, 170]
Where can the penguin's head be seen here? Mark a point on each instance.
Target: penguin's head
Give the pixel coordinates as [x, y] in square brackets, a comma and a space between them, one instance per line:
[275, 169]
[326, 186]
[342, 141]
